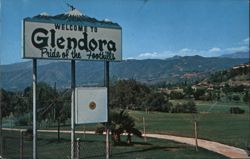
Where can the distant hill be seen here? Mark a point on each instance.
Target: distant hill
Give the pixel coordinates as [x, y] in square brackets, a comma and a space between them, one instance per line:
[235, 76]
[237, 55]
[171, 70]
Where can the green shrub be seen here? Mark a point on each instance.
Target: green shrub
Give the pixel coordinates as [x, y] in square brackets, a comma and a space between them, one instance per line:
[188, 107]
[236, 110]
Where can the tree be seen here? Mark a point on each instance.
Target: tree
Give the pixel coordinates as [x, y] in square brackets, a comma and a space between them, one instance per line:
[188, 91]
[246, 97]
[199, 92]
[176, 95]
[187, 107]
[157, 102]
[236, 97]
[128, 94]
[5, 103]
[121, 122]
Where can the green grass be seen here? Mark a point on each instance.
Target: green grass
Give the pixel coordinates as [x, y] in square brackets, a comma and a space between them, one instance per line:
[224, 128]
[93, 146]
[219, 107]
[217, 125]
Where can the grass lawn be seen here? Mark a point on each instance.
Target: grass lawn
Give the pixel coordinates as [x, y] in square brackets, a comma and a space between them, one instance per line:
[219, 107]
[217, 125]
[224, 128]
[93, 147]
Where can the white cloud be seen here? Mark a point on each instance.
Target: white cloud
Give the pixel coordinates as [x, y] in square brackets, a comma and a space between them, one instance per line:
[246, 41]
[148, 55]
[185, 50]
[211, 52]
[237, 49]
[154, 55]
[168, 53]
[130, 58]
[215, 49]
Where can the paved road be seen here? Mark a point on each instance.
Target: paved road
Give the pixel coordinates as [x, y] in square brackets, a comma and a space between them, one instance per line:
[226, 150]
[229, 151]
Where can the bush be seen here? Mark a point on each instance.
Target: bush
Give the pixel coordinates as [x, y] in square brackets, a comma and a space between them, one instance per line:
[188, 107]
[157, 102]
[29, 134]
[236, 97]
[176, 95]
[22, 120]
[236, 110]
[199, 93]
[246, 97]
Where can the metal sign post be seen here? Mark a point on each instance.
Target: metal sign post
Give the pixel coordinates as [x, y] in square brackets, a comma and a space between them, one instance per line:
[106, 76]
[34, 108]
[73, 83]
[1, 133]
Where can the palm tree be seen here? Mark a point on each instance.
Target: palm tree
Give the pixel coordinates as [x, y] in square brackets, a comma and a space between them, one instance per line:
[121, 122]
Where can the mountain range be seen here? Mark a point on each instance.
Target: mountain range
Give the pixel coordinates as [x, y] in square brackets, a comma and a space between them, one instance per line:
[237, 55]
[171, 70]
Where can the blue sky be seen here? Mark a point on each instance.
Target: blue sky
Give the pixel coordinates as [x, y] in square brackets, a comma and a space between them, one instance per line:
[151, 28]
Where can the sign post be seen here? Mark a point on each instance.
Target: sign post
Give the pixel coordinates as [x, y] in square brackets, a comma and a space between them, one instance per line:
[70, 36]
[106, 76]
[1, 133]
[34, 109]
[73, 83]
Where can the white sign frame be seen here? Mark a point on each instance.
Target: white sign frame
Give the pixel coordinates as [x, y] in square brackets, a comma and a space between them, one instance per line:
[59, 40]
[85, 113]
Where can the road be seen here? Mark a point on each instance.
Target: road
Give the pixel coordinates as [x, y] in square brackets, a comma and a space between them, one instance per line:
[229, 151]
[226, 150]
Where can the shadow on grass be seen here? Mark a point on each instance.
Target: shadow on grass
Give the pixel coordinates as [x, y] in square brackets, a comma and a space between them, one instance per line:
[133, 149]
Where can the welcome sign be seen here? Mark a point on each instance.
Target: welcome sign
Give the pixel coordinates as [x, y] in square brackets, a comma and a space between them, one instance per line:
[50, 38]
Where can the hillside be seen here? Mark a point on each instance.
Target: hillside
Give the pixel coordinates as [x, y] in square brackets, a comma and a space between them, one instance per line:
[235, 76]
[171, 70]
[237, 55]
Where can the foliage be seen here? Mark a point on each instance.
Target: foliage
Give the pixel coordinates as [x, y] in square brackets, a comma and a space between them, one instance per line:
[246, 97]
[121, 122]
[188, 91]
[186, 107]
[236, 97]
[157, 102]
[236, 110]
[50, 104]
[176, 95]
[223, 76]
[198, 93]
[5, 103]
[129, 94]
